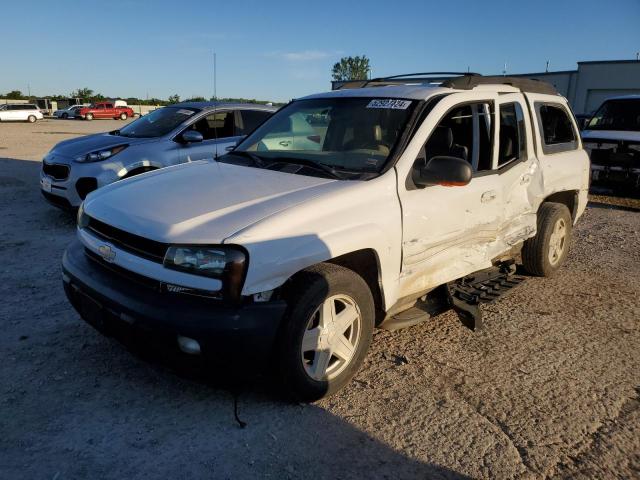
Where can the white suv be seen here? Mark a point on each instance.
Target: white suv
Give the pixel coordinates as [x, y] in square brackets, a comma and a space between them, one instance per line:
[20, 112]
[360, 208]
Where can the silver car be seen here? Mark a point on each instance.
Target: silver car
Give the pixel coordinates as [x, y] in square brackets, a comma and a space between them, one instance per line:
[168, 136]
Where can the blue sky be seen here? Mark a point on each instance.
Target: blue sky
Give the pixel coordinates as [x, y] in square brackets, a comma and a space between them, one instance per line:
[285, 49]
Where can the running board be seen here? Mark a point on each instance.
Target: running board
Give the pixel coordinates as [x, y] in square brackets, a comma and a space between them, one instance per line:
[485, 286]
[464, 296]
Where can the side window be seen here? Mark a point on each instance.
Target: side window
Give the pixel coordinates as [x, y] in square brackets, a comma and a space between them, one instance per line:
[557, 131]
[108, 105]
[465, 132]
[215, 125]
[250, 119]
[513, 144]
[100, 106]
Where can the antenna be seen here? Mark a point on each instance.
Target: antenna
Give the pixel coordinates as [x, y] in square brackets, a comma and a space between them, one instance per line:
[215, 106]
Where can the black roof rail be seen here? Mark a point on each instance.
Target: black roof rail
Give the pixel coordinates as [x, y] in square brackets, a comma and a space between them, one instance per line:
[529, 85]
[399, 79]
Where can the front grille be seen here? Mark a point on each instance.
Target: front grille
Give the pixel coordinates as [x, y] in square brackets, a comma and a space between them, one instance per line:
[123, 272]
[140, 246]
[56, 170]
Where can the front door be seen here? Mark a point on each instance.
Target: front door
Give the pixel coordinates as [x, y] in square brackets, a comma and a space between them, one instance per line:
[449, 232]
[218, 132]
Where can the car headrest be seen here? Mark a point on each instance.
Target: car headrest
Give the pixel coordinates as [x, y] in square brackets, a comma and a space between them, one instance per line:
[442, 137]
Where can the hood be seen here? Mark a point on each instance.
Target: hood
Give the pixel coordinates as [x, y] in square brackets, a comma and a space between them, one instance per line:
[75, 147]
[613, 135]
[201, 202]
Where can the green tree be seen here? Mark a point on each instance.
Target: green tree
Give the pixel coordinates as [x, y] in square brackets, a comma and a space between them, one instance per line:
[83, 93]
[14, 95]
[351, 68]
[174, 98]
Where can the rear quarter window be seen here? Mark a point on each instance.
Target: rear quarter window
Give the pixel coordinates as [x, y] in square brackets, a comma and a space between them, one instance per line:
[556, 128]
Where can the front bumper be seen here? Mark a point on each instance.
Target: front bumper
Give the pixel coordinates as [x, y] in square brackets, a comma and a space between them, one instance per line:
[82, 179]
[238, 338]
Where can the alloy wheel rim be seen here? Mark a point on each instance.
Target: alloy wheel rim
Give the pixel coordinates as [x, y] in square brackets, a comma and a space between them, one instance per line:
[557, 241]
[331, 338]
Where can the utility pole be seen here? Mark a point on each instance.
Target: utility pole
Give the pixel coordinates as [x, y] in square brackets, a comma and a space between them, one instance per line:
[504, 71]
[29, 89]
[215, 92]
[547, 67]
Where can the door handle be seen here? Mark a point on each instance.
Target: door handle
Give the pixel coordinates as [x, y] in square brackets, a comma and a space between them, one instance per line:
[285, 143]
[488, 196]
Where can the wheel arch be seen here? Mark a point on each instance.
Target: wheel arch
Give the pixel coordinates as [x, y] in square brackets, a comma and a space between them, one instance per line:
[568, 198]
[138, 168]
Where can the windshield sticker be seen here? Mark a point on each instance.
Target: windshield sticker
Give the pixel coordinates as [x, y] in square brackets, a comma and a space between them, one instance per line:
[389, 103]
[183, 111]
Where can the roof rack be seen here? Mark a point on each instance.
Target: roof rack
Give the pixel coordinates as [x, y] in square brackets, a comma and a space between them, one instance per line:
[529, 85]
[457, 80]
[404, 78]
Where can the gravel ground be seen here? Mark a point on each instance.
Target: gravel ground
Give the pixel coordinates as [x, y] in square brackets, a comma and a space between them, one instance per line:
[549, 388]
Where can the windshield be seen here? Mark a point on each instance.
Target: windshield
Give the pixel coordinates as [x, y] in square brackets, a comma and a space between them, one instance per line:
[157, 123]
[351, 134]
[623, 114]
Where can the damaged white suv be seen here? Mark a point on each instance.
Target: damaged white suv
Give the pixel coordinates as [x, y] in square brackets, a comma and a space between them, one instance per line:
[375, 206]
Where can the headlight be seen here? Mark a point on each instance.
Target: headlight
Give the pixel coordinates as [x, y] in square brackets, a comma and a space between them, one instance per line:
[101, 154]
[215, 262]
[82, 219]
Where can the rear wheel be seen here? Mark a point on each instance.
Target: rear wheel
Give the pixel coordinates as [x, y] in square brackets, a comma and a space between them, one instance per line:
[327, 331]
[545, 253]
[31, 119]
[88, 116]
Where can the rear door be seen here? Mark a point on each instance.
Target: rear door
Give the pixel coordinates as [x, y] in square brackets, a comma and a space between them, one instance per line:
[517, 167]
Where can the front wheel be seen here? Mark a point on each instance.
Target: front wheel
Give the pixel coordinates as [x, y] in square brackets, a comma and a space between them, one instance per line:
[88, 116]
[123, 116]
[327, 331]
[31, 119]
[545, 253]
[65, 116]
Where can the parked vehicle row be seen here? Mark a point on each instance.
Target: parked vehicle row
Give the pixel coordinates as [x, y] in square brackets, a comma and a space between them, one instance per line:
[20, 112]
[363, 208]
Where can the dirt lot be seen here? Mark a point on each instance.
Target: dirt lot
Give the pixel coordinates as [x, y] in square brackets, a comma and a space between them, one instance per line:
[549, 388]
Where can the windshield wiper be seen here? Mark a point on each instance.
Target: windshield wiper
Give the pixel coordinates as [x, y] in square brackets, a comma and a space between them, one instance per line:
[329, 170]
[252, 156]
[115, 132]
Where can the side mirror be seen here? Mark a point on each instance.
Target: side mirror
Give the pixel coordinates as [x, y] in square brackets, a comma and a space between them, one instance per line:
[192, 136]
[446, 171]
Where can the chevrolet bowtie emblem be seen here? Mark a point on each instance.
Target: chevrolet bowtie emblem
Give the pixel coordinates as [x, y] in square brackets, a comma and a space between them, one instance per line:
[107, 253]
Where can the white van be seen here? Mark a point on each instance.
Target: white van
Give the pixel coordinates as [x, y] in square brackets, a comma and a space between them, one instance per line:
[25, 112]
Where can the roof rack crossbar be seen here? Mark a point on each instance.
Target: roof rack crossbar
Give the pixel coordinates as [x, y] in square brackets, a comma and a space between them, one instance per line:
[457, 74]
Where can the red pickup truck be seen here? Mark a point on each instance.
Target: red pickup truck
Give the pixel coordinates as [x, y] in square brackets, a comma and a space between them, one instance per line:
[105, 110]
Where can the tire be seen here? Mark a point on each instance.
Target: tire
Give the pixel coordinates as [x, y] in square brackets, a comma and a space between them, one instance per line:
[31, 119]
[65, 116]
[545, 253]
[123, 116]
[314, 291]
[88, 116]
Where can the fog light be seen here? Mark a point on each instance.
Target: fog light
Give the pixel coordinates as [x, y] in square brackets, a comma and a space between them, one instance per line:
[189, 345]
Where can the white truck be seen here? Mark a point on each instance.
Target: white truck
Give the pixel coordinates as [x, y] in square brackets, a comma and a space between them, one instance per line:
[612, 139]
[402, 200]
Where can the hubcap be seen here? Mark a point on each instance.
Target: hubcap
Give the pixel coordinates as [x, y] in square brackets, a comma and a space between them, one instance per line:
[557, 241]
[331, 338]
